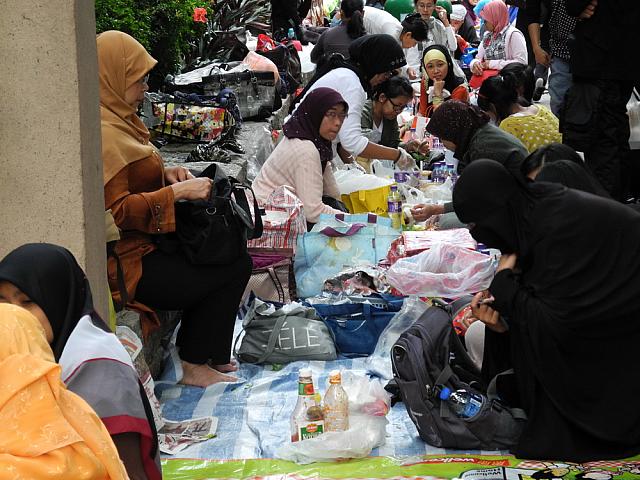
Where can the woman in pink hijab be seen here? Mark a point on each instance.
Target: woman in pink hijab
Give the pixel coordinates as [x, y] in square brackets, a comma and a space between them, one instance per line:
[501, 44]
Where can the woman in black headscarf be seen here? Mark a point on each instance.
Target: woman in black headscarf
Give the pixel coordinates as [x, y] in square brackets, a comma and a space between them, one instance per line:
[571, 175]
[439, 80]
[46, 280]
[465, 130]
[372, 60]
[565, 310]
[300, 159]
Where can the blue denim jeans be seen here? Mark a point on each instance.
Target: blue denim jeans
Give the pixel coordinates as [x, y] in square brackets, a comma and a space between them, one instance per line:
[559, 83]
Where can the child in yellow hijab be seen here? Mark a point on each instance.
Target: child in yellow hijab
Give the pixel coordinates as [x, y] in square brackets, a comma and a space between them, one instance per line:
[45, 430]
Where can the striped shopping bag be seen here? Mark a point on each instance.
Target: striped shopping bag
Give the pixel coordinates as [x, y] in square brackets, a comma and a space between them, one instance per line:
[283, 221]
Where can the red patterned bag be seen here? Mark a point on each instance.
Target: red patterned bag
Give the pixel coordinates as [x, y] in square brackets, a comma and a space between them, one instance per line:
[283, 221]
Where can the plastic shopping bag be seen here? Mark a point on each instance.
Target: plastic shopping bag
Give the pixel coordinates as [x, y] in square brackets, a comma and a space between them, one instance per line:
[379, 362]
[353, 180]
[368, 405]
[362, 192]
[438, 192]
[382, 170]
[443, 271]
[325, 253]
[283, 221]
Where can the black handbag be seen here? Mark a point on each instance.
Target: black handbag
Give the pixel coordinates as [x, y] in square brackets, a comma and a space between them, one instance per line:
[215, 231]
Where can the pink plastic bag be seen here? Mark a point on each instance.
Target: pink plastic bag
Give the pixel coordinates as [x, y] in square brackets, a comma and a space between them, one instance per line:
[259, 63]
[445, 270]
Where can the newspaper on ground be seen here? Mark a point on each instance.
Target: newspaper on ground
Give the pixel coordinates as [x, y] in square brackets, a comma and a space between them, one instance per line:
[133, 345]
[174, 437]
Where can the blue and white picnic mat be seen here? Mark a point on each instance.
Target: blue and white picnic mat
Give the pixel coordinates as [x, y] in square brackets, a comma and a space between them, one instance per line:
[254, 413]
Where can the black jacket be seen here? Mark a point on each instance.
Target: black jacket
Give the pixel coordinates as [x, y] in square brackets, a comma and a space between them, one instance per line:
[602, 47]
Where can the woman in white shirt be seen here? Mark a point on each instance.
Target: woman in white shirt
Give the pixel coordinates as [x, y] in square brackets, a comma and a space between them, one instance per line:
[373, 59]
[502, 43]
[301, 159]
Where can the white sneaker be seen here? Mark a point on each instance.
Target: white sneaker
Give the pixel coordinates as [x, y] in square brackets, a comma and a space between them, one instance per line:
[538, 90]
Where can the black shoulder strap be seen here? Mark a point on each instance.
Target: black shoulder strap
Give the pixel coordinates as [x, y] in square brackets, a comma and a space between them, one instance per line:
[239, 190]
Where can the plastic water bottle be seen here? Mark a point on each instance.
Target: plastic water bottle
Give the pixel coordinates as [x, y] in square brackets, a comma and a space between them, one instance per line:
[394, 207]
[291, 34]
[463, 403]
[450, 170]
[440, 172]
[336, 405]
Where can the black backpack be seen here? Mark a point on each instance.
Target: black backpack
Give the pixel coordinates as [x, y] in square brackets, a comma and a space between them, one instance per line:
[429, 356]
[215, 231]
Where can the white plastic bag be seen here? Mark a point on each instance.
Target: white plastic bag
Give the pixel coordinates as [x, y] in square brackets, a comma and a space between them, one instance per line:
[439, 193]
[379, 362]
[412, 196]
[379, 169]
[354, 180]
[366, 431]
[445, 270]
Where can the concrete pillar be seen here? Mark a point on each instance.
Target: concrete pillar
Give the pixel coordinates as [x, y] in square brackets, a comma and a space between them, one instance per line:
[50, 161]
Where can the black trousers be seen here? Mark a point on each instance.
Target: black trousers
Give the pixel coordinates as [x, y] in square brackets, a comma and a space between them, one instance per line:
[208, 295]
[607, 153]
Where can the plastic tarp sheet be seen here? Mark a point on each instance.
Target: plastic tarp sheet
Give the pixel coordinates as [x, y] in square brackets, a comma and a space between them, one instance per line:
[464, 467]
[254, 412]
[254, 421]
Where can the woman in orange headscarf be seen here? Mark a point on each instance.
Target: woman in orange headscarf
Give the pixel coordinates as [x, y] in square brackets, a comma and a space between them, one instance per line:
[45, 430]
[141, 194]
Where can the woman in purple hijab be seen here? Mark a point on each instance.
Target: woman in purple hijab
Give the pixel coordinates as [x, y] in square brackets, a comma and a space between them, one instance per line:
[300, 159]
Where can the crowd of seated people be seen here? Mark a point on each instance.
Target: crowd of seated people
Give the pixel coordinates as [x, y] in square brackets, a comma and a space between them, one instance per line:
[561, 309]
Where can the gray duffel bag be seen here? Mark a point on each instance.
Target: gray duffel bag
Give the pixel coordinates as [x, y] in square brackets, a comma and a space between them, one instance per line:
[283, 333]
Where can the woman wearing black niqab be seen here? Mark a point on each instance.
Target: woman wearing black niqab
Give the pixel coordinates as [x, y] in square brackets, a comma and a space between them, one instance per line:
[571, 305]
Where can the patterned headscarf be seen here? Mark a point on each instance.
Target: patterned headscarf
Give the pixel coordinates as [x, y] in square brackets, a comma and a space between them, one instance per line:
[456, 122]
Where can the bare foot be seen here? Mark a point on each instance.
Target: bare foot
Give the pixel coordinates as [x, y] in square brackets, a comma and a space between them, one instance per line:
[232, 366]
[202, 375]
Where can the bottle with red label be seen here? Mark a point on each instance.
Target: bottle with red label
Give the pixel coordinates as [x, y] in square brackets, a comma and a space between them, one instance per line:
[307, 420]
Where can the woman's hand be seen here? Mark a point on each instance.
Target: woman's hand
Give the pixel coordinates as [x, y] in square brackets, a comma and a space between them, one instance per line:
[477, 68]
[507, 262]
[192, 189]
[177, 174]
[423, 211]
[411, 73]
[487, 315]
[415, 145]
[438, 86]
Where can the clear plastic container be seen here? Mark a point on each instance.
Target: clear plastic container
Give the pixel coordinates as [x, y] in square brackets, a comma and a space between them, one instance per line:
[336, 405]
